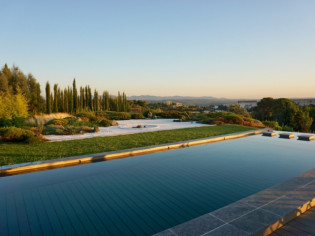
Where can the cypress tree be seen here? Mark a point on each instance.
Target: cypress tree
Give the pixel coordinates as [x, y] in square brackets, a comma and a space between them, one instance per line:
[48, 102]
[55, 109]
[39, 99]
[33, 100]
[66, 100]
[86, 97]
[96, 108]
[106, 101]
[82, 98]
[90, 99]
[75, 97]
[62, 103]
[70, 93]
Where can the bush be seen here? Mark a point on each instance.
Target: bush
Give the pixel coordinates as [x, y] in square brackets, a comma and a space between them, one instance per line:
[233, 119]
[112, 115]
[67, 130]
[61, 122]
[287, 128]
[137, 116]
[272, 124]
[105, 122]
[15, 121]
[90, 115]
[171, 114]
[13, 134]
[35, 139]
[96, 129]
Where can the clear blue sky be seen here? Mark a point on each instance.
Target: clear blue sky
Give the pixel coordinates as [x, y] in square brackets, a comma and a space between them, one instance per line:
[234, 49]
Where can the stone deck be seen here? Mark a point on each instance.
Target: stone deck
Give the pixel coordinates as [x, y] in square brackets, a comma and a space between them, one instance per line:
[258, 214]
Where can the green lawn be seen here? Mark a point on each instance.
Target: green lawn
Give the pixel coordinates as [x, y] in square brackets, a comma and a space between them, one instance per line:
[19, 153]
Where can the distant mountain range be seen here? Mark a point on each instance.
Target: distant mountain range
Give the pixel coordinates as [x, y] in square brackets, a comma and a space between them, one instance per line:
[186, 100]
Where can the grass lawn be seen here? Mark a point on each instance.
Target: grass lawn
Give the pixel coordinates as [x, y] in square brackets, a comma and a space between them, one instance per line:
[12, 153]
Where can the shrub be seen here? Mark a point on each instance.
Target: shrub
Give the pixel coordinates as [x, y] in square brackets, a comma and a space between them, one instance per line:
[14, 121]
[287, 128]
[40, 120]
[13, 134]
[61, 122]
[86, 129]
[171, 114]
[35, 139]
[67, 130]
[105, 122]
[112, 115]
[137, 116]
[90, 115]
[96, 129]
[233, 119]
[272, 124]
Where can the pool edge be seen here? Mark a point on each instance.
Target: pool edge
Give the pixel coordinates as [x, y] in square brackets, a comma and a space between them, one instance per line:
[258, 214]
[106, 156]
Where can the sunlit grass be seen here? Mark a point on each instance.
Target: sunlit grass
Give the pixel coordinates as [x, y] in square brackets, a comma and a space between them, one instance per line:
[20, 153]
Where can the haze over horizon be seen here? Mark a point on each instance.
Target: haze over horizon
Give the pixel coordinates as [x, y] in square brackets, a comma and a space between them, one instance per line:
[225, 49]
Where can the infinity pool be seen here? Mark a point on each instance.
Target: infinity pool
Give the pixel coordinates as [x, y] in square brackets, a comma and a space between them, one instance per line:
[146, 194]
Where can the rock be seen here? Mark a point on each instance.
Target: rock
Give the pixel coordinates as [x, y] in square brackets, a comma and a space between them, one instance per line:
[114, 123]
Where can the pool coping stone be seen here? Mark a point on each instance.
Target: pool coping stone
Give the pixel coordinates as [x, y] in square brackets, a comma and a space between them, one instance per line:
[261, 213]
[111, 155]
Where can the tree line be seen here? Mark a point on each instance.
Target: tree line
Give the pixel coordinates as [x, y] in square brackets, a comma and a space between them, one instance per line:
[13, 82]
[285, 112]
[72, 100]
[21, 90]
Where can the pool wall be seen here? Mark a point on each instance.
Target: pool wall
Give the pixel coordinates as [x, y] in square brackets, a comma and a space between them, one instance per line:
[105, 156]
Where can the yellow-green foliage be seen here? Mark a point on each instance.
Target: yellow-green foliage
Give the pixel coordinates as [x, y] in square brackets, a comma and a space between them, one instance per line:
[12, 106]
[40, 120]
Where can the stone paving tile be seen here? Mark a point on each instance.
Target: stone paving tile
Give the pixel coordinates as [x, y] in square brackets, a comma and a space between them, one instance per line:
[310, 173]
[165, 233]
[227, 229]
[232, 211]
[270, 194]
[262, 198]
[284, 206]
[255, 221]
[198, 226]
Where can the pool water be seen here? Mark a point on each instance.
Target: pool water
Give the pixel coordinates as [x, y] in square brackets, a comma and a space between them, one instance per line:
[146, 194]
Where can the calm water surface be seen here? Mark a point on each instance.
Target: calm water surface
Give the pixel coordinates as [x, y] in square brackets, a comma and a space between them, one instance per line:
[146, 194]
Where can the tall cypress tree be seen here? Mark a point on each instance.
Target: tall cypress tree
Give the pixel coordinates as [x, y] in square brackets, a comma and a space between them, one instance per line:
[39, 99]
[55, 109]
[82, 98]
[96, 100]
[86, 97]
[106, 101]
[48, 101]
[75, 97]
[66, 100]
[70, 93]
[90, 99]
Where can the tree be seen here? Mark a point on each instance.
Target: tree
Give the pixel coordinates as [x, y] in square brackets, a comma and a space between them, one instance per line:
[4, 84]
[264, 109]
[48, 101]
[96, 107]
[13, 107]
[236, 108]
[55, 98]
[302, 121]
[82, 98]
[75, 97]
